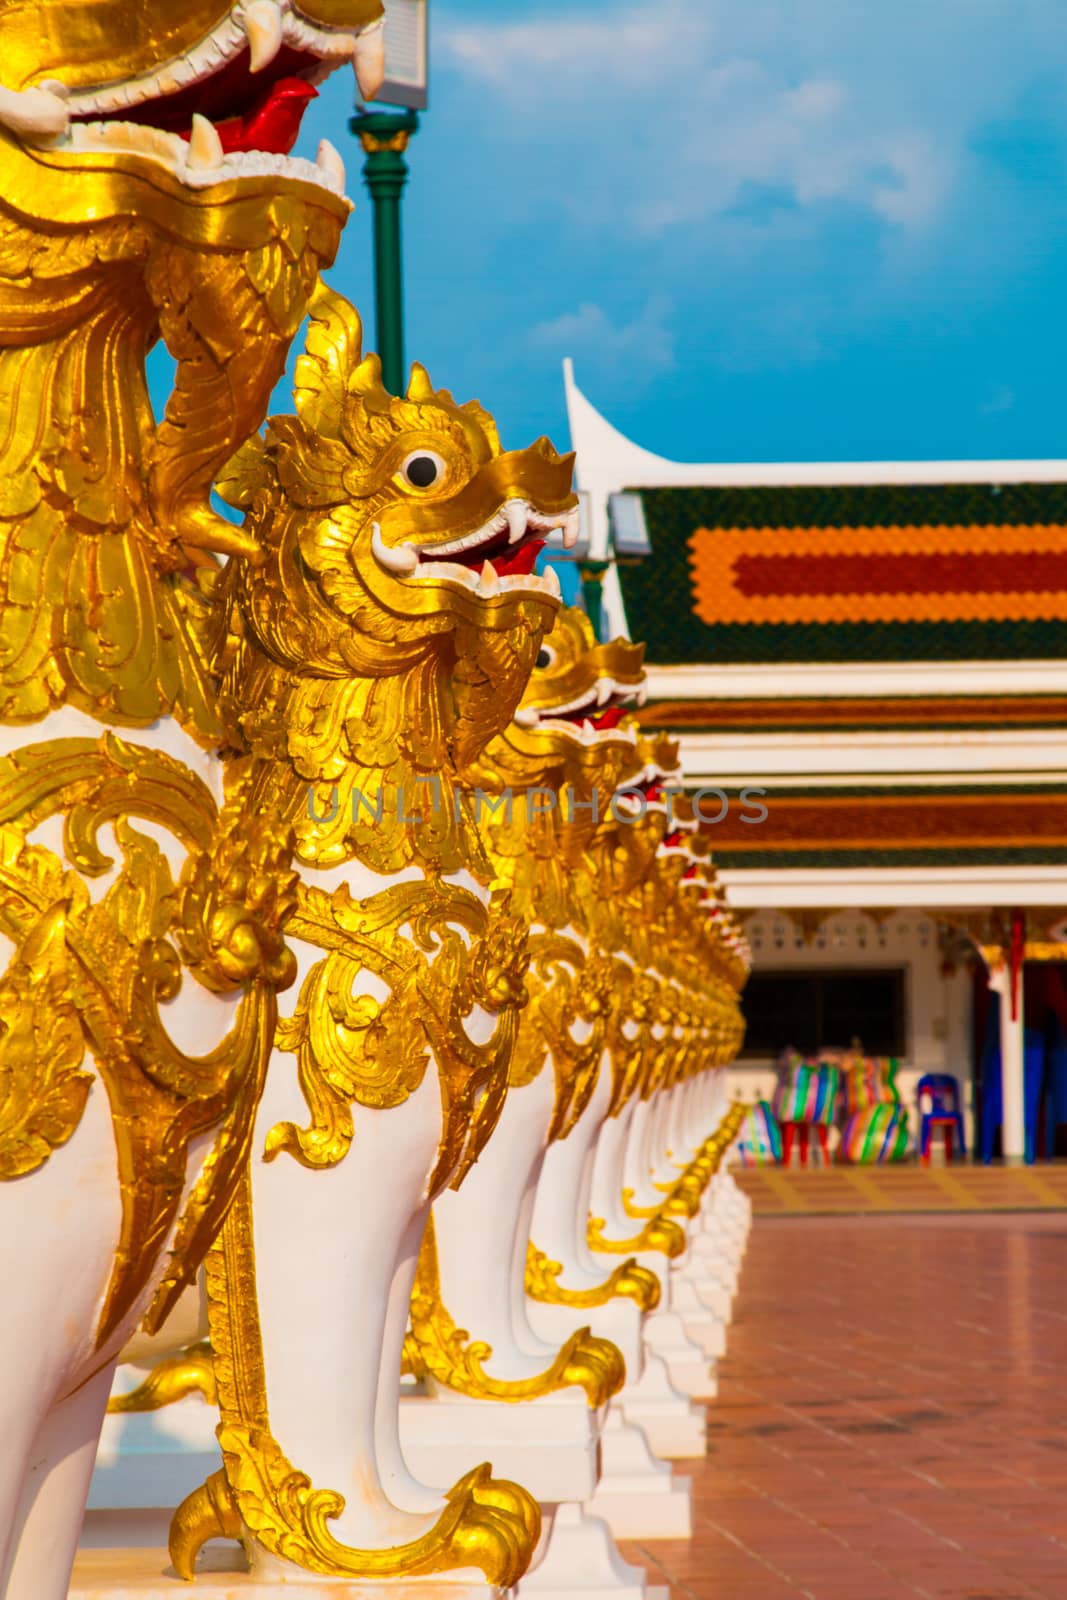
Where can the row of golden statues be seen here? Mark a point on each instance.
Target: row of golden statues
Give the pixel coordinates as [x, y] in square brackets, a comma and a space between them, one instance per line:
[326, 834]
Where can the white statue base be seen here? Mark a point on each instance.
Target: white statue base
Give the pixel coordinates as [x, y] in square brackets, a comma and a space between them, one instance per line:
[552, 1447]
[690, 1369]
[146, 1574]
[548, 1445]
[146, 1464]
[717, 1298]
[674, 1427]
[580, 1561]
[701, 1324]
[620, 1321]
[638, 1496]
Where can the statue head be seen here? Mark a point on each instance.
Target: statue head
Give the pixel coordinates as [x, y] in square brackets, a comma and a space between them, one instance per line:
[146, 191]
[569, 728]
[397, 543]
[557, 764]
[210, 92]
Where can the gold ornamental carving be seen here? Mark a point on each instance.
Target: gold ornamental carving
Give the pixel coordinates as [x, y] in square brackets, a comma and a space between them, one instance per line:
[352, 650]
[366, 664]
[110, 241]
[659, 1233]
[374, 143]
[363, 668]
[43, 1089]
[91, 976]
[354, 1049]
[628, 1281]
[487, 1523]
[101, 507]
[447, 1354]
[190, 1371]
[363, 663]
[377, 644]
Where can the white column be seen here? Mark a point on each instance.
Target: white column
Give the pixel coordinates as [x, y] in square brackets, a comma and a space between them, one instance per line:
[1013, 1125]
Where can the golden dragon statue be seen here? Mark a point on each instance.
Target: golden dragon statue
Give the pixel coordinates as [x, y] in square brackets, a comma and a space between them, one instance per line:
[703, 958]
[383, 641]
[544, 777]
[147, 193]
[677, 973]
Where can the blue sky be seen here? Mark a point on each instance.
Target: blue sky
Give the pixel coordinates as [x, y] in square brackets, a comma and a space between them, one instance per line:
[762, 228]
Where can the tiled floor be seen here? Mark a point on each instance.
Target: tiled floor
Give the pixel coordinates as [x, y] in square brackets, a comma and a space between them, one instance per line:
[958, 1186]
[892, 1417]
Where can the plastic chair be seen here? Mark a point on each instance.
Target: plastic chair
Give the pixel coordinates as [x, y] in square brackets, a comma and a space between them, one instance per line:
[878, 1134]
[806, 1098]
[938, 1096]
[760, 1141]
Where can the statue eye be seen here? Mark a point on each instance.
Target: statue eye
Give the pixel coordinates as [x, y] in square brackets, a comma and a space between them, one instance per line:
[544, 657]
[423, 468]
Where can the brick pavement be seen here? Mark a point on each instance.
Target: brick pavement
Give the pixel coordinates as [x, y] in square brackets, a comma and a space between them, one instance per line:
[891, 1420]
[907, 1186]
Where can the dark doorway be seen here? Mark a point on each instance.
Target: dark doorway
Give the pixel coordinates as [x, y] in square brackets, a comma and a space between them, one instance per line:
[818, 1009]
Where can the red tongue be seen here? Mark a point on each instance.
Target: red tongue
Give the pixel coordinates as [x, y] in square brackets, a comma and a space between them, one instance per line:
[610, 717]
[272, 125]
[522, 562]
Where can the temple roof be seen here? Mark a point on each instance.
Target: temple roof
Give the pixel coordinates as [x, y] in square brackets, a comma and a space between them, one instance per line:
[820, 561]
[877, 649]
[851, 572]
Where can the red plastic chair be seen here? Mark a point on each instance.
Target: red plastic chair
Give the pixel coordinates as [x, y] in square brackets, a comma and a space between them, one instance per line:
[801, 1131]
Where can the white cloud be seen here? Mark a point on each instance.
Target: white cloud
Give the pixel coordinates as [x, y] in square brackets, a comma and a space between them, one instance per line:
[631, 51]
[674, 113]
[920, 177]
[635, 351]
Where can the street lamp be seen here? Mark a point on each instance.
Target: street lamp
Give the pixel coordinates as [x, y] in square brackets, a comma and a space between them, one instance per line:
[384, 136]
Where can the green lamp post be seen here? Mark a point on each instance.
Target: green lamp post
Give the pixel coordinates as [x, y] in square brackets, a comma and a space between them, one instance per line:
[384, 136]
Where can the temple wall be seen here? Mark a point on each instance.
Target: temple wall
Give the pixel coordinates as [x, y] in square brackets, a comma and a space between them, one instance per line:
[937, 1008]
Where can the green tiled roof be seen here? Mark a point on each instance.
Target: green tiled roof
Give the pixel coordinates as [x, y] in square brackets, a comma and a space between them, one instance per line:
[787, 860]
[659, 597]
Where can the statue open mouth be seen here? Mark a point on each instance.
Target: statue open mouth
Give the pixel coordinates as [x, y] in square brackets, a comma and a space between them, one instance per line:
[598, 712]
[602, 721]
[510, 542]
[230, 107]
[499, 555]
[581, 687]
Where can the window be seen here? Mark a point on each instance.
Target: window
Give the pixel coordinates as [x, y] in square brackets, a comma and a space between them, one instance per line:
[826, 1010]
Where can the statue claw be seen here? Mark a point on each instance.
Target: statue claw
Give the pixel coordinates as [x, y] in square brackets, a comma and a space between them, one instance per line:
[198, 528]
[210, 1512]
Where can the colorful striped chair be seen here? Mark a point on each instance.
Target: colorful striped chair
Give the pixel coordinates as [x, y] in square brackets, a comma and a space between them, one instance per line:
[876, 1126]
[806, 1098]
[760, 1141]
[878, 1134]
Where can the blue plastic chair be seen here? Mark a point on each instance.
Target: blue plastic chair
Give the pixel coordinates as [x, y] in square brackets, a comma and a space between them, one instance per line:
[944, 1112]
